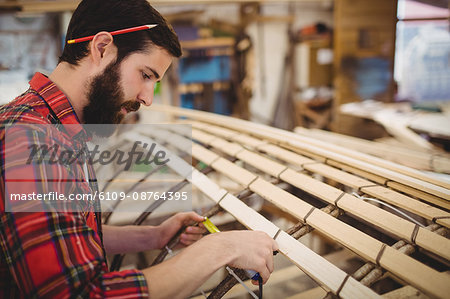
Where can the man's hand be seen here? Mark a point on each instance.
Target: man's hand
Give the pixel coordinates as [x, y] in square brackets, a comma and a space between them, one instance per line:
[168, 228]
[180, 275]
[250, 250]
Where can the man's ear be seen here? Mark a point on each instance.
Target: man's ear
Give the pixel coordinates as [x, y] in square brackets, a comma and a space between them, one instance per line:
[102, 47]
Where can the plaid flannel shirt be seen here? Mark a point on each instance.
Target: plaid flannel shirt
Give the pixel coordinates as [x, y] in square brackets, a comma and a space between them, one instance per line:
[55, 254]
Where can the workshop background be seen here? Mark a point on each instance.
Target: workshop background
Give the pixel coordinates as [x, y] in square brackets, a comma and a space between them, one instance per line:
[370, 76]
[282, 63]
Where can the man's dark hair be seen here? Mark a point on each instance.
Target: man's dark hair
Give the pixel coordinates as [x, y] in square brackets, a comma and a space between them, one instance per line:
[93, 16]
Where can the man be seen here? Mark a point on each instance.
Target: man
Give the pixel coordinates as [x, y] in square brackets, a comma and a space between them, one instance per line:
[62, 254]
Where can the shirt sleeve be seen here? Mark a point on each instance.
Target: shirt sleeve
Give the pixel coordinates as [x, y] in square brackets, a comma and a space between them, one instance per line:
[55, 254]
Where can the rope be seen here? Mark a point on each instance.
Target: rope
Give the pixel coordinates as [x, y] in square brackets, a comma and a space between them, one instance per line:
[368, 274]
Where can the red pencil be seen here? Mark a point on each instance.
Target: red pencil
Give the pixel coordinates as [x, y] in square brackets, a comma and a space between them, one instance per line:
[121, 31]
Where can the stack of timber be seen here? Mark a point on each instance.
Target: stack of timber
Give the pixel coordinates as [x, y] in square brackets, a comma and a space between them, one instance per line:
[410, 246]
[428, 160]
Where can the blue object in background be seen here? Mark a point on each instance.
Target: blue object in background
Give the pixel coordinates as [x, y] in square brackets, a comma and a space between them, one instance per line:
[187, 100]
[373, 76]
[221, 103]
[204, 69]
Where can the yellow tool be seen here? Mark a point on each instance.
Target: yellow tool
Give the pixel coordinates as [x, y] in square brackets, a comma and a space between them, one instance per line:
[210, 226]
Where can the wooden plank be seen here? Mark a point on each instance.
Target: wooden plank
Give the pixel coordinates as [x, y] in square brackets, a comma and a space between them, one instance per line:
[405, 202]
[208, 43]
[436, 190]
[405, 292]
[282, 199]
[432, 161]
[370, 176]
[274, 169]
[303, 257]
[285, 155]
[426, 183]
[398, 259]
[262, 163]
[311, 264]
[317, 158]
[362, 244]
[40, 6]
[249, 217]
[340, 176]
[29, 6]
[208, 157]
[388, 222]
[243, 176]
[420, 194]
[396, 186]
[383, 193]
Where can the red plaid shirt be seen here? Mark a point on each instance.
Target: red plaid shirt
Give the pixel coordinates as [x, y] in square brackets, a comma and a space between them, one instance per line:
[54, 254]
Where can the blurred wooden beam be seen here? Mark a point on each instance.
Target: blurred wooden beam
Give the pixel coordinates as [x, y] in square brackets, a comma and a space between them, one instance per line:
[29, 6]
[39, 6]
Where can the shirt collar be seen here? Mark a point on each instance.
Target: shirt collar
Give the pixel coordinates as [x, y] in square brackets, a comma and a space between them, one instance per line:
[58, 103]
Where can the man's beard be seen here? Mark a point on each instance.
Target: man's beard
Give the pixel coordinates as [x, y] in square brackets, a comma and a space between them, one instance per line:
[105, 97]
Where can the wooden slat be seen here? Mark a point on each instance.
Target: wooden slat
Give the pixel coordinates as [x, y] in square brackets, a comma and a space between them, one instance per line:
[420, 194]
[339, 176]
[432, 161]
[208, 43]
[311, 263]
[405, 292]
[362, 244]
[381, 192]
[370, 176]
[417, 207]
[426, 183]
[274, 169]
[37, 6]
[443, 203]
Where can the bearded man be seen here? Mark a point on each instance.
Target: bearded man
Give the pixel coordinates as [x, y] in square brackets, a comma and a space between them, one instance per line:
[61, 254]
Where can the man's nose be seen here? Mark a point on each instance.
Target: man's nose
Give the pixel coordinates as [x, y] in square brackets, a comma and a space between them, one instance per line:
[145, 97]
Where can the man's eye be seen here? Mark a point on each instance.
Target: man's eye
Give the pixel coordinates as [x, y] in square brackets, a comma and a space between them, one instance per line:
[145, 76]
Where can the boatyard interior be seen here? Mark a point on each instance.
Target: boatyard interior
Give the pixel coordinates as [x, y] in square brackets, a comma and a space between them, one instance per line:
[324, 123]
